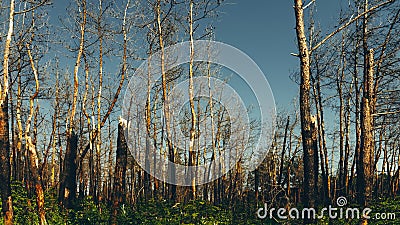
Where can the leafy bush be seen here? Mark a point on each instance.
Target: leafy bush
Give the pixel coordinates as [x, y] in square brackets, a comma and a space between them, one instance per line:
[24, 207]
[88, 212]
[159, 212]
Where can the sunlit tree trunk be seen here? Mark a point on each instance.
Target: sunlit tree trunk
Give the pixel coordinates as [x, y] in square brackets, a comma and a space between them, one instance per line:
[192, 152]
[367, 139]
[5, 167]
[365, 174]
[33, 158]
[148, 128]
[305, 115]
[171, 150]
[68, 181]
[99, 93]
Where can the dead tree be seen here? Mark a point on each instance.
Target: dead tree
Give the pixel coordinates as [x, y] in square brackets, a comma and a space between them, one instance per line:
[120, 172]
[68, 182]
[31, 147]
[171, 150]
[68, 179]
[283, 152]
[192, 152]
[365, 175]
[305, 114]
[5, 167]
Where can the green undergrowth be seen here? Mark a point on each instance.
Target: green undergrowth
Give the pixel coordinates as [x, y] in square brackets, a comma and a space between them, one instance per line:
[153, 212]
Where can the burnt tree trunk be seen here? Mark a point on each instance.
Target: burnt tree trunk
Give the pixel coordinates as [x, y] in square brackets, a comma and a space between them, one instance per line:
[256, 184]
[118, 195]
[283, 152]
[365, 175]
[365, 170]
[314, 136]
[5, 167]
[68, 180]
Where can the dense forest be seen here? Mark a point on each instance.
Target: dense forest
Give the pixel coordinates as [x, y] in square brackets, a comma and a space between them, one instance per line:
[82, 141]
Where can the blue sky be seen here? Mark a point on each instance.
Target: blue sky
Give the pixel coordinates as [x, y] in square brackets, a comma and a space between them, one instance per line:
[264, 30]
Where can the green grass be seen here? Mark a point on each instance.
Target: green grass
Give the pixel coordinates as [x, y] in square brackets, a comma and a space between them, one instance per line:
[154, 212]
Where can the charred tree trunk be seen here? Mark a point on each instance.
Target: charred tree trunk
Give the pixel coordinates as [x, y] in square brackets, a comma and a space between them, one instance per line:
[314, 137]
[118, 195]
[365, 174]
[280, 181]
[256, 184]
[321, 137]
[355, 163]
[5, 167]
[68, 180]
[339, 83]
[347, 146]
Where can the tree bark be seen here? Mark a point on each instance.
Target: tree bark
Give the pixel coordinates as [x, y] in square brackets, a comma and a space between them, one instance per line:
[365, 173]
[339, 83]
[367, 141]
[280, 181]
[118, 196]
[305, 76]
[68, 180]
[171, 150]
[31, 147]
[5, 166]
[33, 166]
[307, 139]
[192, 152]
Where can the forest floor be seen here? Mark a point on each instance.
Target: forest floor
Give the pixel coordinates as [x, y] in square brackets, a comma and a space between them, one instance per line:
[162, 212]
